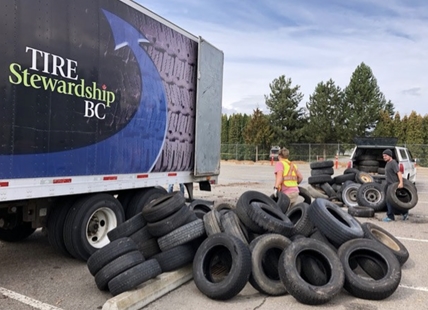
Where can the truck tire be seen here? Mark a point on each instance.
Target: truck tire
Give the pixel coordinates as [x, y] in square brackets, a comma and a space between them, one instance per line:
[321, 171]
[134, 276]
[304, 193]
[162, 207]
[201, 207]
[371, 194]
[298, 215]
[182, 235]
[362, 286]
[55, 224]
[319, 179]
[326, 187]
[300, 289]
[402, 199]
[143, 197]
[225, 253]
[176, 257]
[321, 164]
[316, 192]
[88, 222]
[337, 225]
[116, 267]
[368, 169]
[339, 179]
[108, 253]
[270, 219]
[385, 238]
[212, 222]
[283, 201]
[266, 249]
[360, 211]
[231, 226]
[168, 224]
[127, 228]
[363, 177]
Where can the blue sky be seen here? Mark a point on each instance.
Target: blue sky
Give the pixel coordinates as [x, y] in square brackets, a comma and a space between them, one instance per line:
[310, 41]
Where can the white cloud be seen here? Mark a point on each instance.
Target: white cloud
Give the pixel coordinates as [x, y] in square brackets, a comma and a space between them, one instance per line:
[309, 42]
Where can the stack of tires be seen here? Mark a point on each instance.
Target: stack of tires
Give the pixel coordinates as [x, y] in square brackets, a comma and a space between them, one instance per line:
[310, 253]
[360, 191]
[163, 237]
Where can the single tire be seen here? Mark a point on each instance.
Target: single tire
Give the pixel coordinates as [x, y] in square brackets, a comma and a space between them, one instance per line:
[270, 219]
[300, 289]
[371, 195]
[320, 179]
[204, 206]
[315, 192]
[369, 162]
[363, 177]
[381, 171]
[360, 211]
[55, 224]
[365, 287]
[134, 276]
[266, 249]
[109, 253]
[231, 225]
[125, 198]
[88, 222]
[127, 228]
[212, 222]
[321, 164]
[339, 179]
[322, 171]
[222, 266]
[299, 216]
[313, 270]
[349, 194]
[149, 247]
[368, 169]
[242, 206]
[182, 235]
[351, 170]
[163, 206]
[168, 224]
[377, 233]
[304, 193]
[176, 257]
[326, 187]
[283, 201]
[337, 225]
[116, 267]
[142, 198]
[371, 265]
[402, 199]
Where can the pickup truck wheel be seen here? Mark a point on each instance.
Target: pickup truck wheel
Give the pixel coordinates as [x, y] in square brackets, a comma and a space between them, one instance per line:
[88, 222]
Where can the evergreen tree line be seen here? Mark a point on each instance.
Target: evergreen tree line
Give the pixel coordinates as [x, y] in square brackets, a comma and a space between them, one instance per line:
[331, 116]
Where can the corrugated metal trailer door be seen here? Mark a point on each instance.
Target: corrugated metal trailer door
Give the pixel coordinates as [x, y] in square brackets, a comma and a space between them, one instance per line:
[208, 110]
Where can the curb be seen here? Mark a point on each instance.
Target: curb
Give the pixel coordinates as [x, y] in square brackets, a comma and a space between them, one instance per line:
[150, 290]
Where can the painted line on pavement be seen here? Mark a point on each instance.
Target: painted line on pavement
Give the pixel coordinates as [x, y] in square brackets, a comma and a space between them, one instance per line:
[424, 289]
[27, 300]
[412, 239]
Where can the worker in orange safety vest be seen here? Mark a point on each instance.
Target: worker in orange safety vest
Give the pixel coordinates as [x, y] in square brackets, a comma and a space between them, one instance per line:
[287, 177]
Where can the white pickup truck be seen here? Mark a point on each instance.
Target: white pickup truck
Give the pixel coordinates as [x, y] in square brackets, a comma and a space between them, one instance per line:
[367, 157]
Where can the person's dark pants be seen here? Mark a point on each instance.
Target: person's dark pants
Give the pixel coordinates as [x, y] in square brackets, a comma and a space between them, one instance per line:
[390, 210]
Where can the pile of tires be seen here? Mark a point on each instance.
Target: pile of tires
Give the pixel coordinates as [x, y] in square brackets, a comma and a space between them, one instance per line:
[311, 252]
[163, 237]
[360, 191]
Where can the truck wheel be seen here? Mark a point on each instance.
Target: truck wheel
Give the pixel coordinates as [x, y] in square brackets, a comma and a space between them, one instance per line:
[349, 194]
[55, 224]
[88, 222]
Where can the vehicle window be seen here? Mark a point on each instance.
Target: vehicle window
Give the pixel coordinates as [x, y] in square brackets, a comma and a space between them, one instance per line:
[410, 155]
[403, 154]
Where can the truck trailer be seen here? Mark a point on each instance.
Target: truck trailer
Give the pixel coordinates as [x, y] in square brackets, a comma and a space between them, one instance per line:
[103, 104]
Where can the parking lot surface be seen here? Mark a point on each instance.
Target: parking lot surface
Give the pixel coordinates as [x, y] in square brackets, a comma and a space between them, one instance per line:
[34, 276]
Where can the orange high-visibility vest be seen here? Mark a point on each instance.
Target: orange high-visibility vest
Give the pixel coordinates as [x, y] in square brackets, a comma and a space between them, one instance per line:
[289, 175]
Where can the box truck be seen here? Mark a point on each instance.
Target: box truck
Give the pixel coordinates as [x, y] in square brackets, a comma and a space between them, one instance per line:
[103, 104]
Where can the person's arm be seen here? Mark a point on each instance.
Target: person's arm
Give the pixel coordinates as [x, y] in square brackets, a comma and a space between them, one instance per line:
[299, 176]
[400, 179]
[278, 180]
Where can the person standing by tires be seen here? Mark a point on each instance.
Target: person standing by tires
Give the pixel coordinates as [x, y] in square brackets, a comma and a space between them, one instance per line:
[393, 175]
[287, 177]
